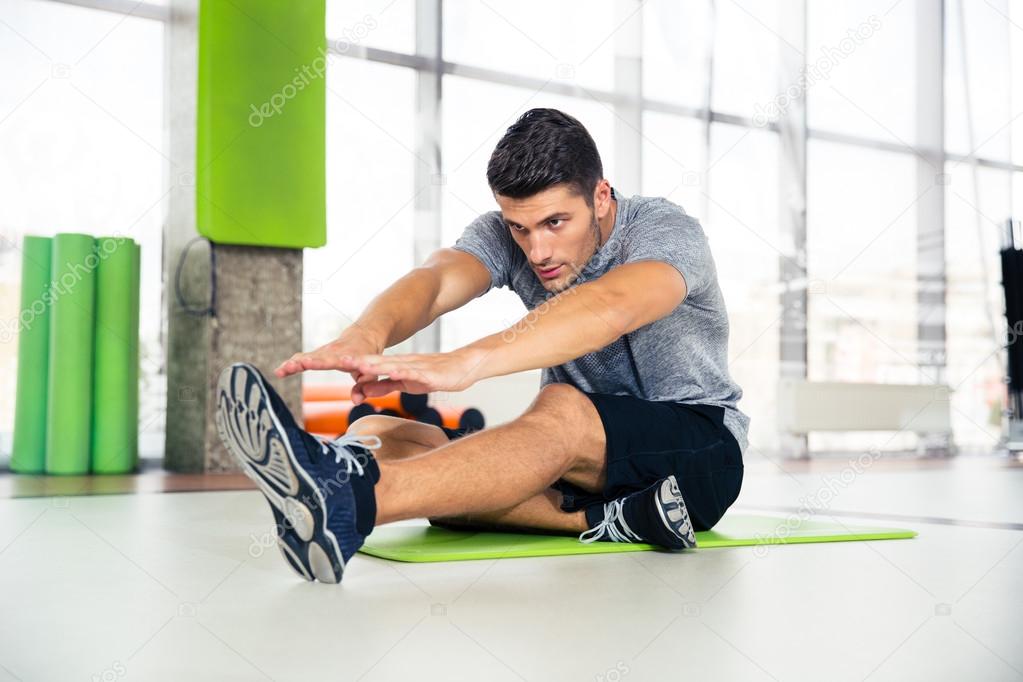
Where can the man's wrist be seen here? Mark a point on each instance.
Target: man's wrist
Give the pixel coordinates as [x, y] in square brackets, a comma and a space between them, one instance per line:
[361, 333]
[474, 358]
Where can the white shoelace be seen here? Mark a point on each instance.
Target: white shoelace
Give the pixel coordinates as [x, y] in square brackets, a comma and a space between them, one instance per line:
[612, 513]
[337, 446]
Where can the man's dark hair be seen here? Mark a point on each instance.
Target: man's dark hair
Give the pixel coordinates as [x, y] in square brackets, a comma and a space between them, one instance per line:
[545, 147]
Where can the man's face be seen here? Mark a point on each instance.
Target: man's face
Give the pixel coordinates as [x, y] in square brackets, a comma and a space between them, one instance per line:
[556, 230]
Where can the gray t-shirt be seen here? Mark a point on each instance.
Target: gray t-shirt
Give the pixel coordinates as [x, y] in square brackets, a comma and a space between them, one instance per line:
[682, 357]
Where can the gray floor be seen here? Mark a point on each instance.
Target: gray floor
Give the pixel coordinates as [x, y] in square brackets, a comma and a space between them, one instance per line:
[180, 586]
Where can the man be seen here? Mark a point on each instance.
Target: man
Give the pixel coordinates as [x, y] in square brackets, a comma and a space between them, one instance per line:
[634, 435]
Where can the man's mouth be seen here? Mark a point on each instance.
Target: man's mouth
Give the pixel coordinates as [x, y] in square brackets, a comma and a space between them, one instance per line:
[550, 272]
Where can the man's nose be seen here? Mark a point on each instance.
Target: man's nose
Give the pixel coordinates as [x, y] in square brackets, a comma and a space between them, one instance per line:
[539, 251]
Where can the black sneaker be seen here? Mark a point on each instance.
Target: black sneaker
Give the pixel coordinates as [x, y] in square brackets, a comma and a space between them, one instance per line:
[320, 492]
[656, 515]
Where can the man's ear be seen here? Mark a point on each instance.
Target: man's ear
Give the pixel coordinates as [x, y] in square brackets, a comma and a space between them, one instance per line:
[601, 207]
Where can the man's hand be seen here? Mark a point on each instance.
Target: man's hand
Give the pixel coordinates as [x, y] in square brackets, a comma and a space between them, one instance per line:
[338, 354]
[415, 372]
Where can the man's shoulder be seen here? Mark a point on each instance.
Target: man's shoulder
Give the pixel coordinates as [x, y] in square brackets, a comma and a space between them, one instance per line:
[489, 219]
[642, 209]
[493, 217]
[487, 229]
[650, 217]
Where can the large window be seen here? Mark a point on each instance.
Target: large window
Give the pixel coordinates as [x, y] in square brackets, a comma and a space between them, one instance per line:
[370, 195]
[742, 225]
[861, 203]
[82, 147]
[863, 63]
[537, 38]
[82, 150]
[861, 254]
[983, 124]
[744, 28]
[384, 24]
[677, 38]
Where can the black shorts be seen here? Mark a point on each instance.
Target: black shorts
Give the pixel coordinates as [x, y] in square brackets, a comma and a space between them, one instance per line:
[650, 440]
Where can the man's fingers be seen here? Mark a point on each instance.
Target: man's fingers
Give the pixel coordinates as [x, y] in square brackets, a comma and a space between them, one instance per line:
[377, 360]
[373, 389]
[287, 368]
[357, 366]
[346, 362]
[317, 362]
[303, 361]
[382, 366]
[368, 386]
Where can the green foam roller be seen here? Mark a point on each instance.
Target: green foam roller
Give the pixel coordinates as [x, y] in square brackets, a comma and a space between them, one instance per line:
[115, 384]
[28, 454]
[136, 273]
[69, 381]
[261, 123]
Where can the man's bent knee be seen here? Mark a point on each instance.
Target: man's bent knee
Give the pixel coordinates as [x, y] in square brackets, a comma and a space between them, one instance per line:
[562, 402]
[399, 437]
[374, 424]
[563, 412]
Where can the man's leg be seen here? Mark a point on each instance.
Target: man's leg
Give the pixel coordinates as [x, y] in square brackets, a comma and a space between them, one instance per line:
[540, 512]
[495, 470]
[403, 438]
[399, 438]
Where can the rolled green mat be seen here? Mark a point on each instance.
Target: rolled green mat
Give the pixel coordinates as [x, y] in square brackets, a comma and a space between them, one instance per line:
[115, 385]
[28, 455]
[69, 383]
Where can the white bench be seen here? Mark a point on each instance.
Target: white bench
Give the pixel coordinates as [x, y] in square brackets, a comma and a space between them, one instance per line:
[808, 406]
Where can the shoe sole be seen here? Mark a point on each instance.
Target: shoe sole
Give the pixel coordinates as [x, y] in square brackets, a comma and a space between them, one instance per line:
[252, 432]
[674, 514]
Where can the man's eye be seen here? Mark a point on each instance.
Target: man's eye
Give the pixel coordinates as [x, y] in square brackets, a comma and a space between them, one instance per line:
[554, 220]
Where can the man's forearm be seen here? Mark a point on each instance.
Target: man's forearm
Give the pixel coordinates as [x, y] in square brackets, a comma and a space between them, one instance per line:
[402, 309]
[580, 320]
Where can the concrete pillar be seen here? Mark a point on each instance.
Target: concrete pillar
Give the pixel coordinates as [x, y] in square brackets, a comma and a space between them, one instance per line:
[243, 303]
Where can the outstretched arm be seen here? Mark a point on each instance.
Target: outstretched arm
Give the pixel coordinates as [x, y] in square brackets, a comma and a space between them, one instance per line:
[448, 279]
[579, 320]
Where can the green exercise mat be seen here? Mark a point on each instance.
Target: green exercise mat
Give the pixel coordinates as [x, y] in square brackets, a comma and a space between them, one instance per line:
[261, 123]
[430, 543]
[69, 380]
[115, 384]
[28, 455]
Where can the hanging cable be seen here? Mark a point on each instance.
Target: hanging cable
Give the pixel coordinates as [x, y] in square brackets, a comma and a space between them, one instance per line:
[210, 309]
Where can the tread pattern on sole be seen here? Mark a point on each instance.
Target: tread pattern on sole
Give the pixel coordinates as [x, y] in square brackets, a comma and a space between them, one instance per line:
[674, 513]
[253, 435]
[293, 560]
[324, 568]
